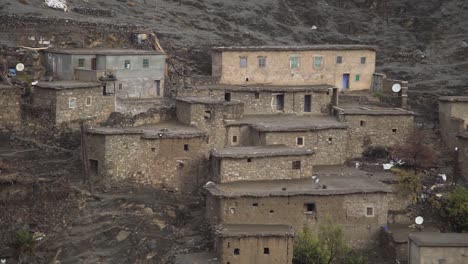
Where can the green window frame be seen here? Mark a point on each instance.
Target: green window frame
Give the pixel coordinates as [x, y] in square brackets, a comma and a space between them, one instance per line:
[358, 77]
[318, 62]
[81, 63]
[294, 62]
[145, 63]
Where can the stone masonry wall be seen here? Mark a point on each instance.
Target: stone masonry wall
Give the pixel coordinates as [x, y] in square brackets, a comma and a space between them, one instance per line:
[452, 255]
[267, 168]
[10, 112]
[452, 118]
[463, 156]
[329, 145]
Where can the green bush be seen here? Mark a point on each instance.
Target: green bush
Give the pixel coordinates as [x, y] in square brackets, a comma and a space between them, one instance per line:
[409, 181]
[24, 241]
[455, 209]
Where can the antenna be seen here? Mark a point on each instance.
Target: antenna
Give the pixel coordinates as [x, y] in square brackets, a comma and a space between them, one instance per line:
[20, 67]
[419, 220]
[396, 88]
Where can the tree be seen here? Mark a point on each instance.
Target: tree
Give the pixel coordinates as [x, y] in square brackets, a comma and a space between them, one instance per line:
[455, 209]
[414, 152]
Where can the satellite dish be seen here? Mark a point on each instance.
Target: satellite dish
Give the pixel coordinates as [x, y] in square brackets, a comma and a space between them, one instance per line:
[20, 67]
[419, 220]
[396, 88]
[34, 83]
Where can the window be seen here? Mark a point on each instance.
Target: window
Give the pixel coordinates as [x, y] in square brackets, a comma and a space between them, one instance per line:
[363, 60]
[153, 149]
[394, 130]
[255, 204]
[145, 63]
[81, 63]
[257, 95]
[261, 62]
[318, 61]
[294, 62]
[207, 115]
[93, 64]
[120, 86]
[243, 62]
[339, 60]
[249, 160]
[300, 141]
[280, 102]
[363, 123]
[266, 251]
[227, 97]
[71, 103]
[89, 100]
[307, 103]
[309, 207]
[127, 64]
[442, 261]
[369, 211]
[330, 140]
[296, 165]
[358, 77]
[232, 210]
[186, 147]
[236, 251]
[234, 139]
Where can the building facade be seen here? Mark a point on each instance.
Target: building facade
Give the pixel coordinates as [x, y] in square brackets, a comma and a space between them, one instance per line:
[440, 248]
[10, 110]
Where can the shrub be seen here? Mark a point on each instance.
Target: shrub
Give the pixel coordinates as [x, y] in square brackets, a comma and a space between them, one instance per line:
[455, 209]
[410, 182]
[414, 152]
[24, 241]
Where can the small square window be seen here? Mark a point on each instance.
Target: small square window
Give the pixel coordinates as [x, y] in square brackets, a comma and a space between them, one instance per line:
[363, 123]
[330, 140]
[318, 62]
[257, 95]
[207, 115]
[339, 59]
[153, 149]
[262, 62]
[243, 62]
[300, 141]
[363, 60]
[145, 63]
[266, 251]
[71, 103]
[234, 139]
[296, 165]
[81, 63]
[127, 64]
[369, 211]
[89, 100]
[358, 78]
[310, 207]
[294, 62]
[255, 204]
[394, 130]
[227, 97]
[186, 147]
[236, 251]
[249, 160]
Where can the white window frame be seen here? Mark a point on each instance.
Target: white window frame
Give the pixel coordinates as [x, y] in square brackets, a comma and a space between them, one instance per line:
[70, 100]
[129, 64]
[90, 101]
[373, 211]
[303, 142]
[316, 57]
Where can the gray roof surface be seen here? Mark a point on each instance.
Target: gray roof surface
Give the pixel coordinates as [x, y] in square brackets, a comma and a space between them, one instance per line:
[167, 129]
[267, 88]
[297, 48]
[433, 239]
[454, 98]
[197, 258]
[63, 85]
[306, 186]
[260, 151]
[206, 100]
[400, 232]
[6, 86]
[101, 51]
[246, 230]
[463, 135]
[289, 123]
[371, 110]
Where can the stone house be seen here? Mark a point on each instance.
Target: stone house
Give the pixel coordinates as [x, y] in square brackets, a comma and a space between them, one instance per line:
[453, 118]
[359, 204]
[374, 126]
[260, 163]
[72, 101]
[124, 72]
[10, 110]
[166, 154]
[441, 248]
[463, 154]
[260, 244]
[348, 67]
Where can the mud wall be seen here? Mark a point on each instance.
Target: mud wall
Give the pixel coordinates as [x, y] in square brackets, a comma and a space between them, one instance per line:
[10, 110]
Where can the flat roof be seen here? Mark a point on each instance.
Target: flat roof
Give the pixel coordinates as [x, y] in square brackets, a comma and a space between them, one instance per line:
[246, 230]
[463, 135]
[267, 88]
[288, 122]
[298, 48]
[64, 85]
[331, 185]
[6, 86]
[197, 258]
[206, 100]
[260, 151]
[102, 51]
[433, 239]
[453, 99]
[371, 110]
[166, 129]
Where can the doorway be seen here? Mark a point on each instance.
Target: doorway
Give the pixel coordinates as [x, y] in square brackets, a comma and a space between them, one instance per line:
[93, 167]
[345, 81]
[93, 64]
[308, 103]
[280, 102]
[157, 87]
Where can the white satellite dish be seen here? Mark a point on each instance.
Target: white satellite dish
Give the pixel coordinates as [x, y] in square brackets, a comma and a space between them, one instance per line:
[419, 220]
[20, 67]
[396, 88]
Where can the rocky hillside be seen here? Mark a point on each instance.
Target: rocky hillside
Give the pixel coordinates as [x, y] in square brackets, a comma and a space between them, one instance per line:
[425, 42]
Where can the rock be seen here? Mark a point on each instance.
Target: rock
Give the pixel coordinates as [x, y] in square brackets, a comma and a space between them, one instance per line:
[122, 235]
[148, 211]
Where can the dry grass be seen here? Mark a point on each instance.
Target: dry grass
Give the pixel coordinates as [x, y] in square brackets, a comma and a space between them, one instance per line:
[4, 165]
[24, 2]
[130, 3]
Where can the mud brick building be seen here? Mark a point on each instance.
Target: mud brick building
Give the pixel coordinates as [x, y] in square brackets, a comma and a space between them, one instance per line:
[71, 101]
[348, 67]
[125, 72]
[447, 248]
[359, 204]
[168, 154]
[260, 163]
[374, 126]
[10, 110]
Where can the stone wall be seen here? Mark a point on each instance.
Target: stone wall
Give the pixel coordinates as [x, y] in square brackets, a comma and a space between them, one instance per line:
[262, 168]
[10, 110]
[452, 119]
[463, 156]
[367, 130]
[246, 136]
[451, 255]
[329, 145]
[347, 210]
